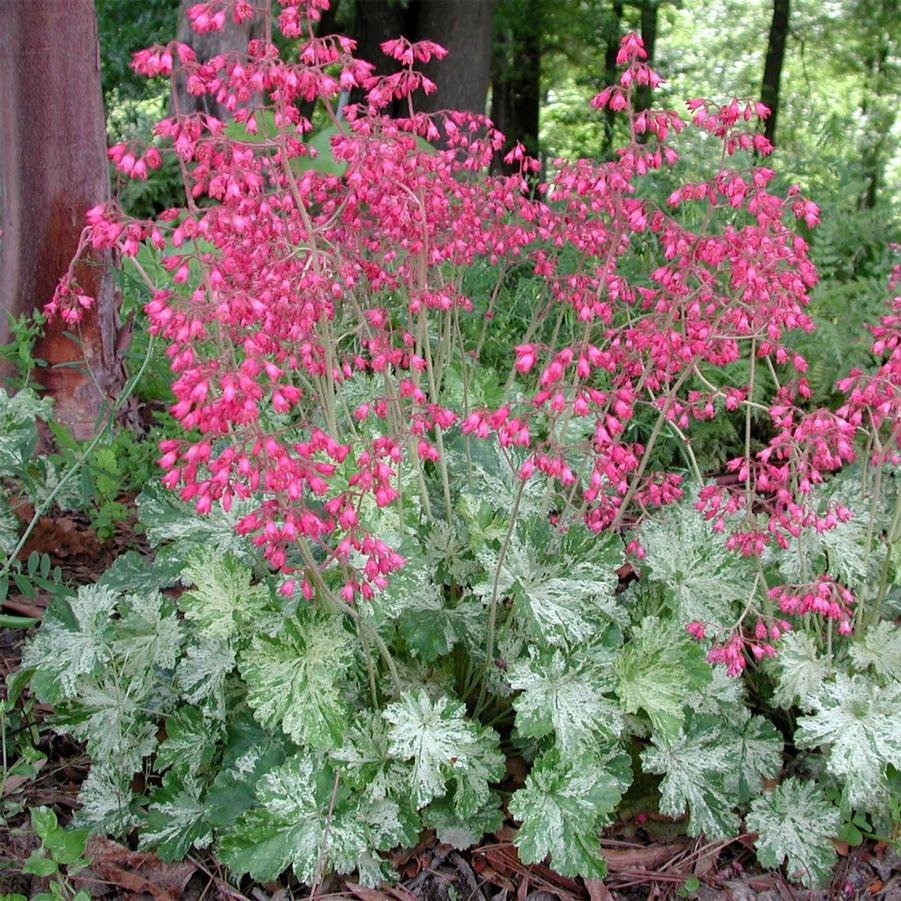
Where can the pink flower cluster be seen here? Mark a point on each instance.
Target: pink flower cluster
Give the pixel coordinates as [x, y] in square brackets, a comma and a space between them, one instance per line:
[285, 281]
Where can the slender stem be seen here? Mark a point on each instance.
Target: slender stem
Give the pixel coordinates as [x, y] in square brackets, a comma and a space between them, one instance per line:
[492, 607]
[753, 364]
[652, 440]
[894, 534]
[332, 599]
[320, 861]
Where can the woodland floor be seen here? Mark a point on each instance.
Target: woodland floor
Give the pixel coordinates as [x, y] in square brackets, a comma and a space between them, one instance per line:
[648, 861]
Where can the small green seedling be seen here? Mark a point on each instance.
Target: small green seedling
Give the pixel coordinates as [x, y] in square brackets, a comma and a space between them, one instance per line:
[60, 857]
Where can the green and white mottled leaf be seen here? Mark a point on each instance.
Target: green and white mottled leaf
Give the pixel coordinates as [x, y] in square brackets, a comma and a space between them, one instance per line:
[697, 765]
[462, 832]
[795, 824]
[879, 649]
[366, 760]
[841, 550]
[18, 432]
[412, 587]
[723, 694]
[563, 587]
[9, 527]
[703, 579]
[432, 634]
[491, 487]
[303, 820]
[108, 803]
[134, 573]
[856, 722]
[176, 819]
[759, 746]
[248, 755]
[147, 635]
[656, 670]
[222, 601]
[166, 518]
[295, 680]
[448, 554]
[190, 742]
[566, 700]
[429, 625]
[800, 668]
[45, 479]
[111, 717]
[73, 642]
[202, 672]
[562, 808]
[443, 746]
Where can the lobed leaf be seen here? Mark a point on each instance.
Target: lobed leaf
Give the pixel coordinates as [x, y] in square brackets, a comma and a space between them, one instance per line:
[795, 824]
[855, 721]
[295, 679]
[563, 806]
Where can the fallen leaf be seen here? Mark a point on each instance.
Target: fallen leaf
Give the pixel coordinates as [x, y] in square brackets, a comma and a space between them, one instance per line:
[137, 871]
[11, 783]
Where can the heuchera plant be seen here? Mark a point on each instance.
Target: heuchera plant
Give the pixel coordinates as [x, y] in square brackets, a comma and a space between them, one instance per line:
[326, 330]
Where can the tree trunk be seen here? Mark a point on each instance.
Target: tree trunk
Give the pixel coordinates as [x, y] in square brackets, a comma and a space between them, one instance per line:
[516, 76]
[464, 27]
[53, 168]
[878, 106]
[649, 39]
[772, 69]
[377, 21]
[613, 38]
[232, 38]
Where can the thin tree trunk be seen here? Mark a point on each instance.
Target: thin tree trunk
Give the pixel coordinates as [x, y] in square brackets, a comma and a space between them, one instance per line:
[516, 77]
[649, 39]
[377, 21]
[462, 26]
[772, 69]
[53, 168]
[613, 39]
[879, 113]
